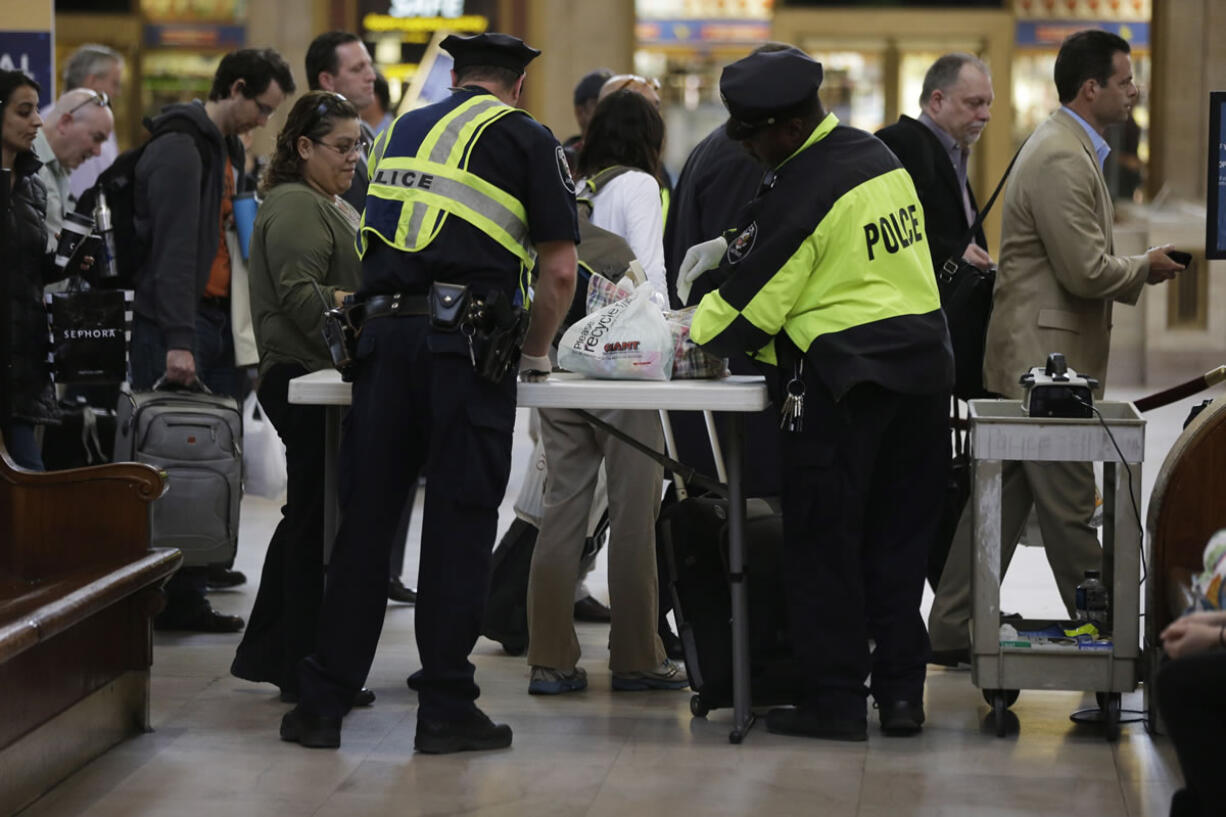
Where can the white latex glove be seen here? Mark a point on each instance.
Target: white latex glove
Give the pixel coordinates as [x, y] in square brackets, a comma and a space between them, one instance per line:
[534, 369]
[698, 259]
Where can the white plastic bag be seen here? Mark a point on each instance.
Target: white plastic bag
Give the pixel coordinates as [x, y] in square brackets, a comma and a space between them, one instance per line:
[626, 340]
[263, 453]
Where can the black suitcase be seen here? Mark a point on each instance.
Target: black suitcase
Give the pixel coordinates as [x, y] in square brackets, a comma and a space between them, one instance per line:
[694, 536]
[506, 605]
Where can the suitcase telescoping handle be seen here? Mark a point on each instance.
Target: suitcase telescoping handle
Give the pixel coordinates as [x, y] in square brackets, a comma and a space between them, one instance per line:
[688, 475]
[196, 385]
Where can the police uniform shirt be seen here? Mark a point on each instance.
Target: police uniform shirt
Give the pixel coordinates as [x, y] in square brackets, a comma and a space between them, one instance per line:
[518, 155]
[833, 256]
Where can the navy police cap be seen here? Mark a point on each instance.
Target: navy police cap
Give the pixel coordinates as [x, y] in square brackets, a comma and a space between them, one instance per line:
[500, 50]
[765, 84]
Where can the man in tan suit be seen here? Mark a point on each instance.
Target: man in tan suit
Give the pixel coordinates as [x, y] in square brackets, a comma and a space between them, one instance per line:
[1058, 277]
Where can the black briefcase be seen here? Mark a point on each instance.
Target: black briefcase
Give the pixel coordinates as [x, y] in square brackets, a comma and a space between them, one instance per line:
[966, 298]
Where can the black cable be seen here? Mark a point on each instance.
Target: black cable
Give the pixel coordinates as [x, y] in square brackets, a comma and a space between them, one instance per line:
[1131, 490]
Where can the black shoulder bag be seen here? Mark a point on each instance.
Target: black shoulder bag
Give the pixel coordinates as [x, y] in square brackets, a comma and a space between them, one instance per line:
[966, 297]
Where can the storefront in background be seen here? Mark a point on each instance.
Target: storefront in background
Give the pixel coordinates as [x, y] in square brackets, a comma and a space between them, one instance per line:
[398, 32]
[1041, 26]
[184, 40]
[686, 44]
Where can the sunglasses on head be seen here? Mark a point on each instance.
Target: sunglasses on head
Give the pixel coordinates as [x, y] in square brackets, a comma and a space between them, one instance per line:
[95, 98]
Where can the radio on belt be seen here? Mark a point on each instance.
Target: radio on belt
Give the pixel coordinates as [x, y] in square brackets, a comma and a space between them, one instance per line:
[1055, 390]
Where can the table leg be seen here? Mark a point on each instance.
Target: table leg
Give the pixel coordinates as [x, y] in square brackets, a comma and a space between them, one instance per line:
[332, 447]
[741, 697]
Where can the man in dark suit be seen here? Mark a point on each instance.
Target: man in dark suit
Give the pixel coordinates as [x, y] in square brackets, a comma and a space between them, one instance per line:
[955, 104]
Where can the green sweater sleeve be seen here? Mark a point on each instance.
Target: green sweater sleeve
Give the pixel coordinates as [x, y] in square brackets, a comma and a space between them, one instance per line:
[299, 245]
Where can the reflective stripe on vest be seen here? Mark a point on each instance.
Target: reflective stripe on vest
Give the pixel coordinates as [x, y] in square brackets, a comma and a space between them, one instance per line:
[426, 187]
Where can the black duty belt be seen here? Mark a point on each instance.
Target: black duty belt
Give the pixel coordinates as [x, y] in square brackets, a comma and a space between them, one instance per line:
[399, 305]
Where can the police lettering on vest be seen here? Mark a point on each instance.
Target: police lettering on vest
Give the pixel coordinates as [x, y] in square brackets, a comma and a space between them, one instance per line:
[405, 178]
[894, 231]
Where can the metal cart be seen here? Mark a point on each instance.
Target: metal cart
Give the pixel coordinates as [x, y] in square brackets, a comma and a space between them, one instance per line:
[999, 431]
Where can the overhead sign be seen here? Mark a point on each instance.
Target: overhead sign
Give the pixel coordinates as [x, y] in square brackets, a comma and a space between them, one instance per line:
[30, 53]
[1215, 223]
[702, 32]
[1053, 32]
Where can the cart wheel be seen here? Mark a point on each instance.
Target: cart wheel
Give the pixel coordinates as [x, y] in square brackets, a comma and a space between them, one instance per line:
[1111, 716]
[1000, 705]
[698, 707]
[1010, 696]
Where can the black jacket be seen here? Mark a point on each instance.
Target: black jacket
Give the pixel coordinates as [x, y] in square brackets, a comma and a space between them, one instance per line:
[28, 267]
[718, 179]
[177, 215]
[924, 157]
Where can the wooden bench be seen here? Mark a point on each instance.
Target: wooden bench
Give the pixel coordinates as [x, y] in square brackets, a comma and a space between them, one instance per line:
[78, 588]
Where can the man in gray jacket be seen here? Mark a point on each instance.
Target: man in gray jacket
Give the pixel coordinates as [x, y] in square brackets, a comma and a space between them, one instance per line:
[181, 327]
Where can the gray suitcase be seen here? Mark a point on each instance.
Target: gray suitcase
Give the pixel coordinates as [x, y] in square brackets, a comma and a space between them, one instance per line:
[196, 438]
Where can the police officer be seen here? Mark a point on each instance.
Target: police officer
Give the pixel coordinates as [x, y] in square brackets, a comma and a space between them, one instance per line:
[828, 283]
[468, 191]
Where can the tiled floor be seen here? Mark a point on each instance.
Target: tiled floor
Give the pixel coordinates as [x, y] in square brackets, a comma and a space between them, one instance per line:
[215, 750]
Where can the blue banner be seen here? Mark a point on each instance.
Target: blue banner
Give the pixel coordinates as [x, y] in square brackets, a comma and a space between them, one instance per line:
[30, 53]
[1052, 32]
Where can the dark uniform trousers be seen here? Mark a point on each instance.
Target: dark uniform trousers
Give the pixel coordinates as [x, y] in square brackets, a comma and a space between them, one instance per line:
[862, 489]
[417, 406]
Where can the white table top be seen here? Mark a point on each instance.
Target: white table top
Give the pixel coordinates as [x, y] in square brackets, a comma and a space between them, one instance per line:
[566, 390]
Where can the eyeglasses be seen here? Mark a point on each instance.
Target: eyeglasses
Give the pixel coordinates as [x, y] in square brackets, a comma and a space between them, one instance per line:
[358, 147]
[96, 98]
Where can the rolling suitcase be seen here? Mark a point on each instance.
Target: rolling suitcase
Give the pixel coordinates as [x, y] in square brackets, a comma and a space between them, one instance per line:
[196, 438]
[693, 533]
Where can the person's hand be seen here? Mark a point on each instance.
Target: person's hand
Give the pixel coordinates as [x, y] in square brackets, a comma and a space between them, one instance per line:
[1187, 636]
[180, 366]
[978, 256]
[338, 297]
[698, 259]
[1161, 266]
[534, 368]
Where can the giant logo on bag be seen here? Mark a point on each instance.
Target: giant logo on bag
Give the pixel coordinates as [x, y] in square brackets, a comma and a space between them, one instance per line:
[742, 244]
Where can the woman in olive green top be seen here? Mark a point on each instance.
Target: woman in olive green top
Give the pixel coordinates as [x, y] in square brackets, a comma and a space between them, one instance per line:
[303, 238]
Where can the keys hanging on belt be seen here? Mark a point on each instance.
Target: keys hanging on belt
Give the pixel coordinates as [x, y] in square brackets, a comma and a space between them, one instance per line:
[468, 330]
[793, 412]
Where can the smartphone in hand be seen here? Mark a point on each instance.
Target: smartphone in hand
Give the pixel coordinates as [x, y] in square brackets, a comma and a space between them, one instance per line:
[1183, 259]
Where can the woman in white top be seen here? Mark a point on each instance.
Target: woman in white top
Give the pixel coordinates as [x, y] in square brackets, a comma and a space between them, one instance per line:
[625, 132]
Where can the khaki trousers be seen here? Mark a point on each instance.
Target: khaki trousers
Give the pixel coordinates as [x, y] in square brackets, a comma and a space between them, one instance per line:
[574, 451]
[1063, 497]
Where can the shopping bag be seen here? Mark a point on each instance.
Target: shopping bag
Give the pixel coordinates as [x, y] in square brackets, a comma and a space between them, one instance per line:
[626, 340]
[264, 471]
[90, 330]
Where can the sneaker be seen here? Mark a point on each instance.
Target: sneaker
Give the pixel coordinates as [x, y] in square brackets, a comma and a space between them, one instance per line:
[473, 734]
[666, 676]
[549, 681]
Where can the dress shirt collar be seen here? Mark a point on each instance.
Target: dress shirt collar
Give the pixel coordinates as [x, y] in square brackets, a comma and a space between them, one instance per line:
[1101, 148]
[951, 145]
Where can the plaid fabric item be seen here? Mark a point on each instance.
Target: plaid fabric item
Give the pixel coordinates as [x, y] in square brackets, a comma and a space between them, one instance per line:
[691, 361]
[601, 292]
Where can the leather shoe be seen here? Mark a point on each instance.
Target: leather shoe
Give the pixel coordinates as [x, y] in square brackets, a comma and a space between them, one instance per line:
[901, 718]
[951, 658]
[396, 591]
[363, 697]
[475, 733]
[223, 578]
[207, 620]
[589, 608]
[809, 724]
[313, 731]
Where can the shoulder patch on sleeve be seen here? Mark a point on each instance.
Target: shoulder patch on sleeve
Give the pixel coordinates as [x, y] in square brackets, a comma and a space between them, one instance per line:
[564, 169]
[742, 244]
